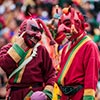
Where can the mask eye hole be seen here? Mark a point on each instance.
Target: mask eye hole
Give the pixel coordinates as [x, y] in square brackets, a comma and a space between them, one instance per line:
[35, 29]
[67, 22]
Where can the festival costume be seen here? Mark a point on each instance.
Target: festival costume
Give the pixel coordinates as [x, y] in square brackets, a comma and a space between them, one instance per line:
[24, 80]
[30, 71]
[81, 71]
[78, 75]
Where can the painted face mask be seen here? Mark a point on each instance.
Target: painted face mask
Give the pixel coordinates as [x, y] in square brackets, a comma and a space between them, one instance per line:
[33, 29]
[33, 32]
[71, 23]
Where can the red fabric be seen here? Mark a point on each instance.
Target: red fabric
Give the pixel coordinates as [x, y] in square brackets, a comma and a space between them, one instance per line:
[40, 69]
[84, 68]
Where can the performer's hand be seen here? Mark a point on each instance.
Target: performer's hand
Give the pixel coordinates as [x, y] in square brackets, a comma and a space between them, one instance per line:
[39, 95]
[20, 41]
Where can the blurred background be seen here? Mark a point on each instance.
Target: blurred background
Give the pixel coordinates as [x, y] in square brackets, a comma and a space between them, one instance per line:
[13, 12]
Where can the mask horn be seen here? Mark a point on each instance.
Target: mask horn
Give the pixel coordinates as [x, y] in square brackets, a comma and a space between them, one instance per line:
[47, 32]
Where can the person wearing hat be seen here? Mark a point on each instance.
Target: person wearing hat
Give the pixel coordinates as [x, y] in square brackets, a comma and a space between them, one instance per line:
[80, 59]
[27, 63]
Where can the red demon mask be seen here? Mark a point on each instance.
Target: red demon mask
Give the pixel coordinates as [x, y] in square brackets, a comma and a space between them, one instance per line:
[34, 29]
[71, 23]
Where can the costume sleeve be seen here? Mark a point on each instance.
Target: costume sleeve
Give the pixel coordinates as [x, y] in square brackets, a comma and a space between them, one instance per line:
[49, 74]
[91, 65]
[10, 55]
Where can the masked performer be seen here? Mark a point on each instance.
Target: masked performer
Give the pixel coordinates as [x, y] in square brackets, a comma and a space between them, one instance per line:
[27, 64]
[78, 75]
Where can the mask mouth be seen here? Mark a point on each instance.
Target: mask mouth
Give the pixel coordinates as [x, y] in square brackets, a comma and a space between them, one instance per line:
[68, 35]
[34, 36]
[30, 40]
[34, 40]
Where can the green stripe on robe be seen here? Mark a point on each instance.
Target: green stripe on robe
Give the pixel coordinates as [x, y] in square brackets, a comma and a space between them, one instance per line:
[86, 38]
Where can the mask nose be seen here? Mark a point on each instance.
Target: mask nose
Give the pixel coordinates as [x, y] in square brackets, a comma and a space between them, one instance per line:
[63, 28]
[38, 35]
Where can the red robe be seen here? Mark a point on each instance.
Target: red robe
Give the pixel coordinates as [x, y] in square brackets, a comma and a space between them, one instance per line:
[39, 69]
[83, 70]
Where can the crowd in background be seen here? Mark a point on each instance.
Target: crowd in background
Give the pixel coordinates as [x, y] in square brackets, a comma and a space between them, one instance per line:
[13, 12]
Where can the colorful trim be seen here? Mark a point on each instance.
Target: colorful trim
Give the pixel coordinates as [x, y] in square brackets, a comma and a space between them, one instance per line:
[48, 93]
[16, 77]
[27, 54]
[88, 98]
[19, 50]
[89, 92]
[49, 87]
[14, 55]
[27, 97]
[19, 78]
[26, 61]
[70, 59]
[20, 73]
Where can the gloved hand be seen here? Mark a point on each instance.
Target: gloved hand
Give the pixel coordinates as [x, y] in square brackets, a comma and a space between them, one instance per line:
[38, 95]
